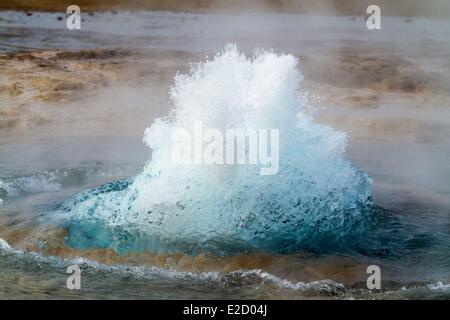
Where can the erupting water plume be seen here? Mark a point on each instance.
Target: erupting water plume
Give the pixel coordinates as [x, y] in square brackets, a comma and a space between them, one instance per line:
[316, 197]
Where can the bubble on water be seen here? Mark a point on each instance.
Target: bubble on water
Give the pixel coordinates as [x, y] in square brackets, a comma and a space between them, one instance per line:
[317, 198]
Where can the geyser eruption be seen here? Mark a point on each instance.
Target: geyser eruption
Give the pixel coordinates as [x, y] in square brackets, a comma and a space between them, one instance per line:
[317, 196]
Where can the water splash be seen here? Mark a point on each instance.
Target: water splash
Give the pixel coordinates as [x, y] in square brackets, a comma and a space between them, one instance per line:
[316, 198]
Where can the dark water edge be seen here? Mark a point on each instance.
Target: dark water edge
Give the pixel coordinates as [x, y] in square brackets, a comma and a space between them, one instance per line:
[31, 276]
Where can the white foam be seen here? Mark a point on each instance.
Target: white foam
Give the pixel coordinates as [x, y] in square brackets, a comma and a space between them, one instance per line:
[4, 245]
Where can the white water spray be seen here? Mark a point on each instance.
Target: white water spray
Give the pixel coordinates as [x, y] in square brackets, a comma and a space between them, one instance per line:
[316, 197]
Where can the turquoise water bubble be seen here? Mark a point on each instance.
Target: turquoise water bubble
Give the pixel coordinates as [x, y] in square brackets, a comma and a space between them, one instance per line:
[316, 198]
